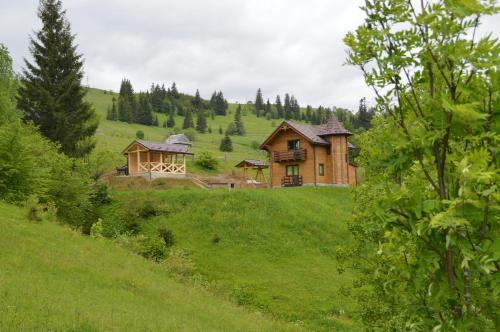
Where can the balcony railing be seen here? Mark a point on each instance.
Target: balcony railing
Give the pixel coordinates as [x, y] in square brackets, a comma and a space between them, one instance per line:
[290, 155]
[291, 181]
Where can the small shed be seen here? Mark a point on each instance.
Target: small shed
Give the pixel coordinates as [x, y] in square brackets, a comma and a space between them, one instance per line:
[258, 165]
[156, 158]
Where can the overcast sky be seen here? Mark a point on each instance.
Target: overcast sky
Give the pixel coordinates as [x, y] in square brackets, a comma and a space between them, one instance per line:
[235, 46]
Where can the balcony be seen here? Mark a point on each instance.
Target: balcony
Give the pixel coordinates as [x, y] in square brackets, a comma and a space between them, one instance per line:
[291, 181]
[290, 155]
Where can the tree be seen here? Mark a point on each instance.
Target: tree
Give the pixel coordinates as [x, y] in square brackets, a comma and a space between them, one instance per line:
[225, 144]
[188, 120]
[364, 116]
[127, 105]
[269, 110]
[171, 120]
[51, 92]
[218, 103]
[173, 91]
[238, 122]
[114, 111]
[259, 102]
[287, 109]
[156, 123]
[279, 108]
[139, 134]
[144, 114]
[426, 217]
[197, 101]
[8, 86]
[201, 122]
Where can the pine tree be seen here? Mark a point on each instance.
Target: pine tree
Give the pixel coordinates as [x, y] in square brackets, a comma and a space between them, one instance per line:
[238, 122]
[171, 120]
[188, 120]
[108, 114]
[173, 91]
[287, 108]
[156, 123]
[363, 117]
[279, 108]
[197, 101]
[126, 102]
[144, 114]
[114, 111]
[201, 122]
[51, 92]
[269, 110]
[226, 145]
[219, 103]
[221, 131]
[309, 112]
[259, 101]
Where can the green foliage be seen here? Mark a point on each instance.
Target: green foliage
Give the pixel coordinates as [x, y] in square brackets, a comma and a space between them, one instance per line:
[226, 145]
[51, 94]
[8, 87]
[167, 236]
[188, 120]
[139, 134]
[427, 220]
[207, 160]
[201, 122]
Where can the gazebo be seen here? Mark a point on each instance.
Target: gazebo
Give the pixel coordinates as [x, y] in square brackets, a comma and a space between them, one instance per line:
[259, 166]
[156, 159]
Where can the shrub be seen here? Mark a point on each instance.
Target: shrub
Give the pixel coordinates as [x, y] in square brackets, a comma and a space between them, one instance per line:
[167, 236]
[97, 229]
[100, 195]
[147, 209]
[178, 263]
[255, 145]
[153, 248]
[191, 134]
[139, 134]
[207, 160]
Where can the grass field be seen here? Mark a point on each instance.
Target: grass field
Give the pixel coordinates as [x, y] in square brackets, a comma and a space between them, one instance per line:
[114, 136]
[54, 279]
[269, 249]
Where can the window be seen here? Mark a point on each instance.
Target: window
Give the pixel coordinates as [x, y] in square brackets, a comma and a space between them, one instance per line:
[292, 170]
[293, 144]
[321, 169]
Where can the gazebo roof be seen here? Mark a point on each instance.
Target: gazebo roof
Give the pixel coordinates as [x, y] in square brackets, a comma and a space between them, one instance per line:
[253, 163]
[160, 147]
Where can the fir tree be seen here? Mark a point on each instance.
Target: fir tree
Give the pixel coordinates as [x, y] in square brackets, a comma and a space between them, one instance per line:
[226, 145]
[114, 111]
[144, 114]
[201, 122]
[51, 92]
[171, 120]
[173, 91]
[287, 108]
[279, 108]
[238, 122]
[259, 101]
[108, 113]
[197, 101]
[126, 102]
[188, 120]
[269, 110]
[309, 112]
[221, 131]
[218, 103]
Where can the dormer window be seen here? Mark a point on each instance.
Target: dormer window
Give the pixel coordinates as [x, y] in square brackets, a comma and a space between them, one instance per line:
[293, 144]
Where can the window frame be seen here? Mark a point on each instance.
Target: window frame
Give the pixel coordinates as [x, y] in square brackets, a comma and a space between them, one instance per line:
[321, 169]
[295, 146]
[293, 166]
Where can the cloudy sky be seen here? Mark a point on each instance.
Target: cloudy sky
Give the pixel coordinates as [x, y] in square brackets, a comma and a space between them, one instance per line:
[235, 46]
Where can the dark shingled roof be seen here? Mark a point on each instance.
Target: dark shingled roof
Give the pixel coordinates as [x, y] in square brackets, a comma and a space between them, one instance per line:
[315, 133]
[178, 139]
[332, 127]
[164, 147]
[253, 163]
[310, 132]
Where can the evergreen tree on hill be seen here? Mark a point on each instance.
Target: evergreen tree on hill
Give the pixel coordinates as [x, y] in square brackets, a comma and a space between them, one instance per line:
[279, 108]
[238, 122]
[51, 92]
[173, 91]
[309, 112]
[171, 120]
[287, 109]
[188, 120]
[364, 116]
[219, 104]
[127, 105]
[156, 98]
[226, 145]
[201, 122]
[144, 114]
[197, 101]
[259, 101]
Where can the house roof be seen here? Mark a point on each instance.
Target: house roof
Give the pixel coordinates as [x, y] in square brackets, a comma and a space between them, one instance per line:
[315, 134]
[178, 139]
[160, 147]
[253, 163]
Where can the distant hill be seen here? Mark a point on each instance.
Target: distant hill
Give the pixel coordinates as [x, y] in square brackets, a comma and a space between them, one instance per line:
[54, 279]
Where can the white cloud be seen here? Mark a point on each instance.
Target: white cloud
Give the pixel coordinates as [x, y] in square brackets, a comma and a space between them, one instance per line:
[235, 46]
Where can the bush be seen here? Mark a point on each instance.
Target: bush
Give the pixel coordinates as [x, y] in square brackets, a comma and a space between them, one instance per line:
[207, 160]
[231, 129]
[255, 145]
[191, 134]
[167, 236]
[139, 134]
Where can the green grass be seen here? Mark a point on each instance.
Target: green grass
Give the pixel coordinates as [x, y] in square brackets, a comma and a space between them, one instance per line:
[276, 246]
[54, 279]
[114, 136]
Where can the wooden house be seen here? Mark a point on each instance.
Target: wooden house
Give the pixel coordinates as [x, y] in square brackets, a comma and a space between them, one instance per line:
[303, 154]
[156, 159]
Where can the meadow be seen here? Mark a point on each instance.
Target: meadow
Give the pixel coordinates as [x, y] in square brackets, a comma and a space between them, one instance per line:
[55, 279]
[270, 250]
[114, 136]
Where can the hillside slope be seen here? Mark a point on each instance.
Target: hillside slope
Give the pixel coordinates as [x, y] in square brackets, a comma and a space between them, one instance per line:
[269, 249]
[114, 136]
[54, 279]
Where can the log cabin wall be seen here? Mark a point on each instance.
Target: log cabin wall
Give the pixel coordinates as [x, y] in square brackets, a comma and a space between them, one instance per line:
[339, 159]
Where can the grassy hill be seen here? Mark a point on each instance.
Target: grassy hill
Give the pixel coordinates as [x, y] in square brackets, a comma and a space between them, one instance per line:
[267, 249]
[114, 136]
[54, 279]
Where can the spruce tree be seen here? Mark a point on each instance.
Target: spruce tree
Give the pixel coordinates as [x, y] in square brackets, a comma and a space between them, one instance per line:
[114, 111]
[238, 122]
[197, 101]
[279, 108]
[171, 120]
[221, 131]
[201, 122]
[269, 110]
[259, 102]
[127, 106]
[188, 120]
[287, 109]
[51, 92]
[173, 91]
[226, 145]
